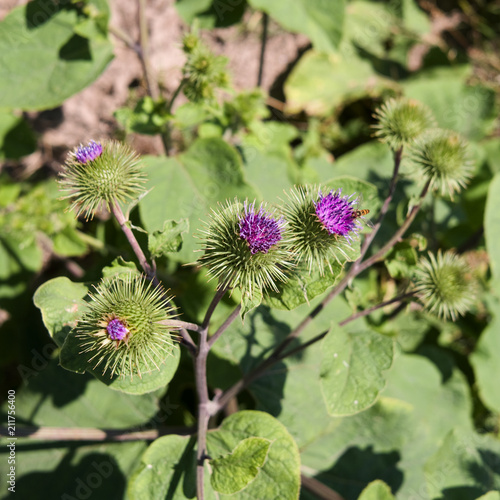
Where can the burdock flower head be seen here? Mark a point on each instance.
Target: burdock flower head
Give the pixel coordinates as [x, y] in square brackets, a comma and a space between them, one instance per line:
[123, 331]
[322, 226]
[445, 285]
[400, 121]
[98, 174]
[244, 247]
[440, 157]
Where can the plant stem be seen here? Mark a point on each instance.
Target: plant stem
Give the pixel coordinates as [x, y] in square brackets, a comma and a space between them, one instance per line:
[278, 355]
[263, 42]
[118, 213]
[144, 49]
[148, 269]
[203, 411]
[204, 403]
[224, 326]
[398, 234]
[193, 327]
[166, 136]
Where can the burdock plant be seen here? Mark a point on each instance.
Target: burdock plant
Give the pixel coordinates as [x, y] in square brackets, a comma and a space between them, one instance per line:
[123, 330]
[440, 157]
[445, 285]
[244, 247]
[321, 225]
[101, 174]
[401, 121]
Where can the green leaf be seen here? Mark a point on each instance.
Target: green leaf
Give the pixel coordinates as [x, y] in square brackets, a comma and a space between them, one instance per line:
[353, 367]
[188, 186]
[401, 260]
[169, 464]
[394, 438]
[148, 117]
[16, 137]
[491, 495]
[492, 226]
[249, 301]
[169, 239]
[73, 359]
[119, 266]
[485, 361]
[234, 472]
[211, 13]
[470, 110]
[302, 286]
[465, 467]
[377, 490]
[68, 243]
[38, 41]
[167, 467]
[321, 83]
[322, 21]
[62, 303]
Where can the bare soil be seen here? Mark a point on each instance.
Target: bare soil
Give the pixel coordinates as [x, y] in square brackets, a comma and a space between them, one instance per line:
[89, 114]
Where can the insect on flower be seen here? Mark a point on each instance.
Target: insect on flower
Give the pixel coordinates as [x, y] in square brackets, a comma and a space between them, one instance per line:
[360, 213]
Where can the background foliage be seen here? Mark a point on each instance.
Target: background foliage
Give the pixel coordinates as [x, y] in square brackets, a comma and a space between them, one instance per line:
[417, 415]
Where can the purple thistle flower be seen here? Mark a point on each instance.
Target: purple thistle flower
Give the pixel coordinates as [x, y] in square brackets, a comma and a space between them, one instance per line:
[88, 153]
[336, 213]
[260, 230]
[116, 329]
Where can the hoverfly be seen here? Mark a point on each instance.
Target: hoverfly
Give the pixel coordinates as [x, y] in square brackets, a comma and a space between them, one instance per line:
[360, 213]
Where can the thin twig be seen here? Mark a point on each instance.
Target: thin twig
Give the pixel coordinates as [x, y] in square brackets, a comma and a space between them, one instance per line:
[92, 434]
[263, 42]
[166, 136]
[175, 323]
[118, 213]
[224, 326]
[147, 268]
[398, 234]
[144, 50]
[320, 490]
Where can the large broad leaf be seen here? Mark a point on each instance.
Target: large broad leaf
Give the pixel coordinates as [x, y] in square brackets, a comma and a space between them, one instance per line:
[233, 472]
[320, 20]
[470, 110]
[322, 82]
[62, 303]
[16, 137]
[465, 467]
[353, 369]
[188, 186]
[393, 439]
[486, 363]
[168, 467]
[48, 53]
[56, 398]
[211, 13]
[492, 227]
[377, 490]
